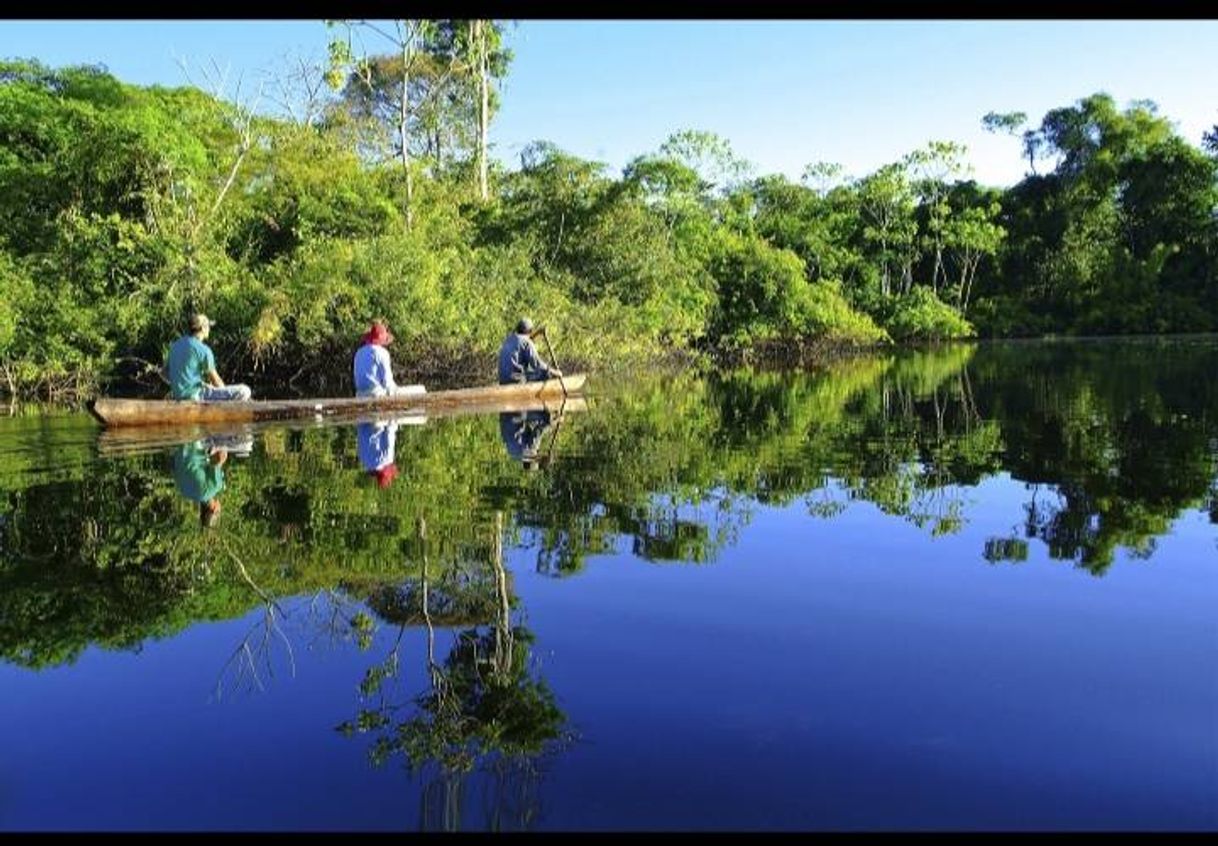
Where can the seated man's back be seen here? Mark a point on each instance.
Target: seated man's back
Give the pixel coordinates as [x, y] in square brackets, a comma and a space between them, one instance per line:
[518, 358]
[189, 361]
[371, 368]
[190, 368]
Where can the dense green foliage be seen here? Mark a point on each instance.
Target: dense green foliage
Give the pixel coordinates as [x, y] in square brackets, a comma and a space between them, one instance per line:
[1121, 237]
[124, 207]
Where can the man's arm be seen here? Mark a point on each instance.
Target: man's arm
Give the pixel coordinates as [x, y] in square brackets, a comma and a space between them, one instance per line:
[382, 355]
[213, 377]
[533, 360]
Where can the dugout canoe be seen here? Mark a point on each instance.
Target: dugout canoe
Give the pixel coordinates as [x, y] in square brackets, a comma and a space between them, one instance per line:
[136, 440]
[115, 412]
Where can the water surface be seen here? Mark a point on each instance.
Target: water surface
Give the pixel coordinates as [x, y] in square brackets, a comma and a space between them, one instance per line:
[965, 588]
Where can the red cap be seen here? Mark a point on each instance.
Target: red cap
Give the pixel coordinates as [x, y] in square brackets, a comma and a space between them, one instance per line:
[378, 334]
[384, 476]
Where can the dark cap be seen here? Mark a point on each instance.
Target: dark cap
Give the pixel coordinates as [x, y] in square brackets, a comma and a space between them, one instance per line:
[524, 327]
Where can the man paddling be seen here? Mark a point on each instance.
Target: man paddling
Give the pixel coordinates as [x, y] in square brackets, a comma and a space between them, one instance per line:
[518, 358]
[190, 368]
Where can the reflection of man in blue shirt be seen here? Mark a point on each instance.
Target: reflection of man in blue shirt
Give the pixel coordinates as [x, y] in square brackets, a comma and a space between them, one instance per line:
[376, 445]
[199, 476]
[522, 432]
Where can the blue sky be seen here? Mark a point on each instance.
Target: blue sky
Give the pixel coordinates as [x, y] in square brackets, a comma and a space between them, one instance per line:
[784, 93]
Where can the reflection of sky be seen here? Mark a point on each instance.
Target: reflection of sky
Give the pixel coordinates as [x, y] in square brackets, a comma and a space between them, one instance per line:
[138, 741]
[841, 672]
[857, 672]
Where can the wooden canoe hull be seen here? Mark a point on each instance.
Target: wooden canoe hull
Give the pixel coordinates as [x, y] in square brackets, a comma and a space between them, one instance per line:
[135, 440]
[128, 412]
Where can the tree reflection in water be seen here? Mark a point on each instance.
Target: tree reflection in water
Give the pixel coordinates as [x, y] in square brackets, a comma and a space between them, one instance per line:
[484, 706]
[1106, 445]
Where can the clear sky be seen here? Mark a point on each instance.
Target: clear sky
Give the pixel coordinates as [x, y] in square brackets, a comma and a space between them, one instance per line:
[784, 93]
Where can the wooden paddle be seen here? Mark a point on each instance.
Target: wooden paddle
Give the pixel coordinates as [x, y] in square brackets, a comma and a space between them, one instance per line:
[542, 332]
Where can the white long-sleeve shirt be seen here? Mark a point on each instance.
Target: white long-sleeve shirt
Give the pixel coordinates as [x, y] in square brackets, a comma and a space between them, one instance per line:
[376, 444]
[372, 371]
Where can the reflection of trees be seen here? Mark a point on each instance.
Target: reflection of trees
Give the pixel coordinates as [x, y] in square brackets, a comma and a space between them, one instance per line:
[1114, 442]
[1006, 549]
[79, 565]
[254, 656]
[921, 439]
[483, 704]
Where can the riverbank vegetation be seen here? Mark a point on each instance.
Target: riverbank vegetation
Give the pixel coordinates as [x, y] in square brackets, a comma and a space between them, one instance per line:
[370, 191]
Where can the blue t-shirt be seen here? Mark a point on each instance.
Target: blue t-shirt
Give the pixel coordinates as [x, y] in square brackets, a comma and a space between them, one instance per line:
[189, 361]
[197, 478]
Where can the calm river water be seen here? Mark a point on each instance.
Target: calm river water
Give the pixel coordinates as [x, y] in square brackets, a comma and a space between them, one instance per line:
[968, 588]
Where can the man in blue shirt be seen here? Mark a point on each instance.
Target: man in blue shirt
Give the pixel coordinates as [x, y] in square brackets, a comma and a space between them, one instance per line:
[190, 368]
[518, 358]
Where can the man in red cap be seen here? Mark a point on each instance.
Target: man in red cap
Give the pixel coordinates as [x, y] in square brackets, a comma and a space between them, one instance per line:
[372, 370]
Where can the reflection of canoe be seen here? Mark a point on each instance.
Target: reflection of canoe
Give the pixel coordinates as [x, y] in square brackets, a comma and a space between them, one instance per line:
[126, 440]
[126, 412]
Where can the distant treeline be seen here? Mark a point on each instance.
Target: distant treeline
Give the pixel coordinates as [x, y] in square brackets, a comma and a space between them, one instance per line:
[122, 208]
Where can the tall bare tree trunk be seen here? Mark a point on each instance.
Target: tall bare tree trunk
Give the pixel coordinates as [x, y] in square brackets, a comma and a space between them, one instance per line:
[884, 287]
[484, 113]
[402, 130]
[970, 272]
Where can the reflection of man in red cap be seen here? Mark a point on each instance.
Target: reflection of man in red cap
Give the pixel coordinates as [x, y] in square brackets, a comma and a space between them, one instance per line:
[375, 444]
[372, 370]
[384, 476]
